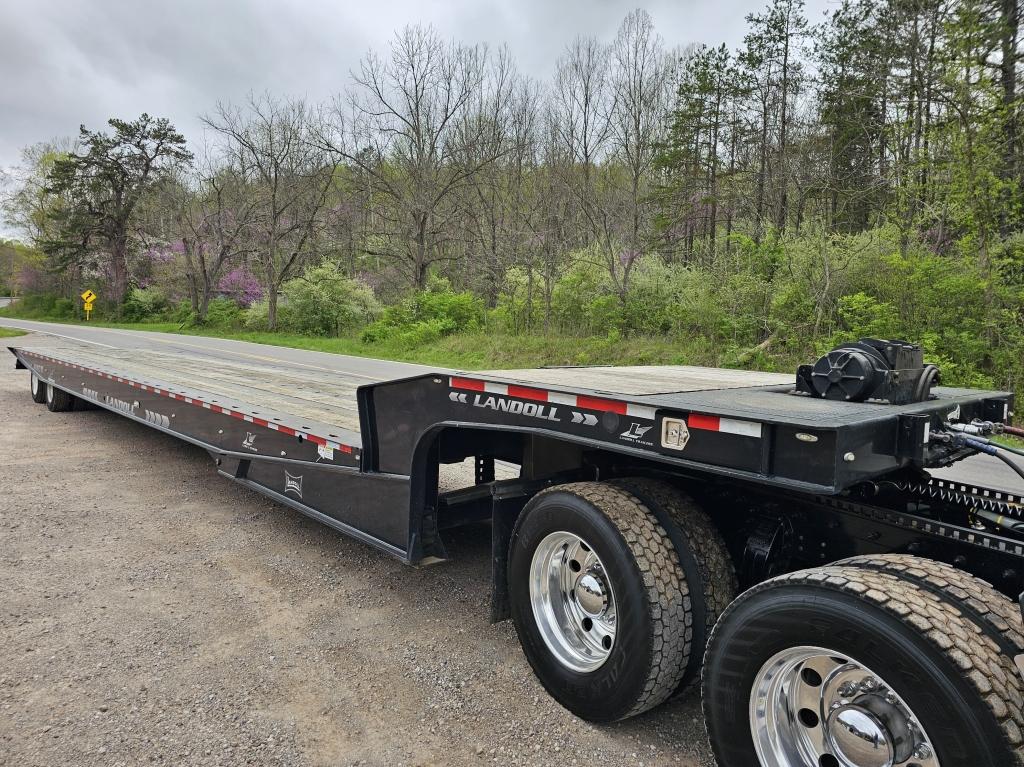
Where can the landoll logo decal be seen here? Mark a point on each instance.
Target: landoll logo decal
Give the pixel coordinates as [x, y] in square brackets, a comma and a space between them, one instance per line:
[292, 483]
[490, 402]
[120, 404]
[635, 432]
[532, 409]
[247, 443]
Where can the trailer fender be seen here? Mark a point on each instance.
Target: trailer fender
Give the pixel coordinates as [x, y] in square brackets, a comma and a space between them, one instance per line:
[497, 441]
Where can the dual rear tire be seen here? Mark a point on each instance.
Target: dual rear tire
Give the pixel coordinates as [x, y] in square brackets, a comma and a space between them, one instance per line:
[38, 388]
[609, 596]
[881, 661]
[870, 662]
[56, 400]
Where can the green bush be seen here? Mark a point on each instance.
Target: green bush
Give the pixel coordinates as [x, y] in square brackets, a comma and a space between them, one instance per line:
[223, 313]
[32, 306]
[325, 302]
[181, 313]
[255, 317]
[144, 305]
[431, 314]
[63, 309]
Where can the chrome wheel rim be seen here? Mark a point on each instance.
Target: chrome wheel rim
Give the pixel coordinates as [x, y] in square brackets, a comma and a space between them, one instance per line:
[813, 707]
[573, 602]
[34, 384]
[49, 393]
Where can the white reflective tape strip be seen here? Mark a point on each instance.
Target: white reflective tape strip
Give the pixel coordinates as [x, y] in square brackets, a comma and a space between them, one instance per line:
[272, 426]
[744, 428]
[640, 411]
[496, 388]
[562, 399]
[247, 418]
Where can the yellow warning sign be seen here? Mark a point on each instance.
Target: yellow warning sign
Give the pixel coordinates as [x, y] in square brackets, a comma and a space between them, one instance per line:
[88, 296]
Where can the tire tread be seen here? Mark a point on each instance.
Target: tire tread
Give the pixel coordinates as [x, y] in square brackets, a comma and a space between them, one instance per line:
[967, 645]
[666, 586]
[970, 594]
[718, 583]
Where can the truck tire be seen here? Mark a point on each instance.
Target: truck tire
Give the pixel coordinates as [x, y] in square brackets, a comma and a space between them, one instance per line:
[849, 665]
[58, 400]
[38, 389]
[976, 598]
[703, 556]
[598, 599]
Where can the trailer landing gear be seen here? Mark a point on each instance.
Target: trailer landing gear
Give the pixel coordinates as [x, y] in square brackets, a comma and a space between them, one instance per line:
[859, 666]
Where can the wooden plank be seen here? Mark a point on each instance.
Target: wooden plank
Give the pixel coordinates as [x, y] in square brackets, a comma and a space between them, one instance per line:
[641, 380]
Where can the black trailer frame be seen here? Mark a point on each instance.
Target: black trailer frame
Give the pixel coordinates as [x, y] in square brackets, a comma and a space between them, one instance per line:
[792, 480]
[768, 482]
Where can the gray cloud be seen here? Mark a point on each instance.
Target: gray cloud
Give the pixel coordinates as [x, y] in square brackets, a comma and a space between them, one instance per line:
[67, 62]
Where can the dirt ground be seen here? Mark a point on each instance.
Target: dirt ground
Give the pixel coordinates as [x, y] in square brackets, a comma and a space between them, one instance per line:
[154, 613]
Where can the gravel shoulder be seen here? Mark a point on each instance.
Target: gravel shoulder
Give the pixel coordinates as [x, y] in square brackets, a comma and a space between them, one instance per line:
[154, 613]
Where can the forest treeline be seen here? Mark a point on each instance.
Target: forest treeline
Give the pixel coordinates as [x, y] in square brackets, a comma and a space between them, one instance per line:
[859, 174]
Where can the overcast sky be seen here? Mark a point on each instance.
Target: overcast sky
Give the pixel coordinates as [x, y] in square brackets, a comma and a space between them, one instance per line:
[67, 62]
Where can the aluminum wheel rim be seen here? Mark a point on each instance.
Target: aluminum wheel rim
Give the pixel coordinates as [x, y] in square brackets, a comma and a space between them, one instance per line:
[573, 602]
[813, 707]
[35, 383]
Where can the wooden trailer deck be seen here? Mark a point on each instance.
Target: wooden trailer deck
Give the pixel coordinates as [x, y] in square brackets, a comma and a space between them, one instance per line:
[326, 400]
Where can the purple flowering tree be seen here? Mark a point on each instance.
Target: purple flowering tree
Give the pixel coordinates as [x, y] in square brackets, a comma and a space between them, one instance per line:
[215, 215]
[242, 286]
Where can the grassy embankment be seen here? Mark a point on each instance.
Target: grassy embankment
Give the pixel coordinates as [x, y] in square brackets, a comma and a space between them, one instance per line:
[10, 333]
[470, 350]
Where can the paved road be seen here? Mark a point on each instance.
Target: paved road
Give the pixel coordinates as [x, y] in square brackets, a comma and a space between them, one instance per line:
[220, 348]
[5, 300]
[980, 470]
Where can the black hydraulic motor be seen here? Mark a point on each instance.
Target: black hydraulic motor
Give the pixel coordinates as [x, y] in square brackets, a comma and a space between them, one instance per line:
[870, 369]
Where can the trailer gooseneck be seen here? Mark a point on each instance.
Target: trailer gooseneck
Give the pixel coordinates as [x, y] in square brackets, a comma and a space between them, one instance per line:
[782, 546]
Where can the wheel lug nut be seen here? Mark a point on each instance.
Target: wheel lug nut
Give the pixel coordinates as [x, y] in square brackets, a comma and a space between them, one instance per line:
[868, 684]
[922, 751]
[891, 699]
[846, 689]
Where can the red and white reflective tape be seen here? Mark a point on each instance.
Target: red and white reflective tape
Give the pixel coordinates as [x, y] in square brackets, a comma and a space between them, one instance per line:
[694, 420]
[581, 401]
[727, 425]
[315, 439]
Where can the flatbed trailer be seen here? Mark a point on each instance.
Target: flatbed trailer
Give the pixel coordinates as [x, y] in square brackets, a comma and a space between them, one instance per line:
[629, 507]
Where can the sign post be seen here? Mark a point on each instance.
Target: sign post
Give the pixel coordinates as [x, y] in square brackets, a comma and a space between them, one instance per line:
[88, 297]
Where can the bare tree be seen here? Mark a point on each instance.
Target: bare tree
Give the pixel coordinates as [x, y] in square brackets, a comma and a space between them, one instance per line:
[275, 145]
[418, 126]
[610, 105]
[584, 103]
[640, 84]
